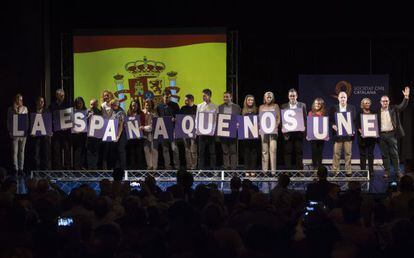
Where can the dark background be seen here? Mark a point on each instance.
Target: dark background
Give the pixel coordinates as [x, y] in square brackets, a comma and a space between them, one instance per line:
[276, 42]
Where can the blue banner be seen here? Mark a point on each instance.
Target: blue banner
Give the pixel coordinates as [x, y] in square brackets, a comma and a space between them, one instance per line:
[327, 87]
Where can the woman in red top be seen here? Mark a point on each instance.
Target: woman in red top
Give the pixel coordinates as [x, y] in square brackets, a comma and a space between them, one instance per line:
[318, 109]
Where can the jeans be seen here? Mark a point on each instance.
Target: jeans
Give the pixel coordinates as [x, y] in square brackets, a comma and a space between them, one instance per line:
[93, 146]
[79, 150]
[18, 148]
[118, 153]
[317, 152]
[366, 151]
[166, 144]
[41, 152]
[190, 146]
[389, 151]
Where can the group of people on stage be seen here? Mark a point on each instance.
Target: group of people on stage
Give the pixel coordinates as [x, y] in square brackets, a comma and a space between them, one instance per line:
[92, 153]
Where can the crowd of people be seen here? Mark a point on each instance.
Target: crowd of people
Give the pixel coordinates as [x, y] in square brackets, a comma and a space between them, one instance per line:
[139, 219]
[201, 221]
[200, 152]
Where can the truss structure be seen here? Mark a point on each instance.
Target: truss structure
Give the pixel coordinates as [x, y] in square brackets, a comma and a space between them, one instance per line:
[264, 179]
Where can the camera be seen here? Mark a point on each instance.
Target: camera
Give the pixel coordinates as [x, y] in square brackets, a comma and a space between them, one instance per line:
[65, 221]
[314, 207]
[134, 184]
[393, 186]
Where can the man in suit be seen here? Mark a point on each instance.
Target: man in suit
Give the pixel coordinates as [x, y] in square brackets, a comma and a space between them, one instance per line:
[294, 140]
[60, 139]
[342, 142]
[391, 129]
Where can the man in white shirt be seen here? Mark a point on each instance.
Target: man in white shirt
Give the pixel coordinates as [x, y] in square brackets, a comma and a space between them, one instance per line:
[390, 130]
[206, 140]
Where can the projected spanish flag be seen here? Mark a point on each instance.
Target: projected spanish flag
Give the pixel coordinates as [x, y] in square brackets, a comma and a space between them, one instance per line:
[143, 66]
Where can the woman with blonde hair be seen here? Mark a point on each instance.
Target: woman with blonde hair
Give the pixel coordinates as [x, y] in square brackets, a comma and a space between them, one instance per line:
[250, 146]
[107, 96]
[269, 141]
[18, 142]
[366, 145]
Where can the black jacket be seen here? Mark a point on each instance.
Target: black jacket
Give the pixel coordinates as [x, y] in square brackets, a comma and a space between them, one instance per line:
[395, 117]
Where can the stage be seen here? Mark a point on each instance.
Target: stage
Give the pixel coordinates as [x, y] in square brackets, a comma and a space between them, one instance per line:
[68, 179]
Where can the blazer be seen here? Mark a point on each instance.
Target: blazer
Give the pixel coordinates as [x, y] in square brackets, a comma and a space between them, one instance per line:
[395, 117]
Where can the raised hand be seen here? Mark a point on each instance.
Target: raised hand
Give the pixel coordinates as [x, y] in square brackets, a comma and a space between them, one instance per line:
[406, 92]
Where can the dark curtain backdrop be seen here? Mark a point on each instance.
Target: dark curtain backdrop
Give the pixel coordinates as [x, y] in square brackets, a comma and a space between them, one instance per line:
[275, 44]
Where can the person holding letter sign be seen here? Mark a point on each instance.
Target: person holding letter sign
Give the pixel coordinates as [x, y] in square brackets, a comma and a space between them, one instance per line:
[206, 140]
[342, 120]
[61, 137]
[294, 139]
[390, 130]
[150, 146]
[169, 108]
[94, 160]
[40, 144]
[318, 110]
[269, 141]
[79, 139]
[117, 150]
[18, 137]
[190, 144]
[106, 110]
[250, 146]
[134, 147]
[229, 145]
[366, 144]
